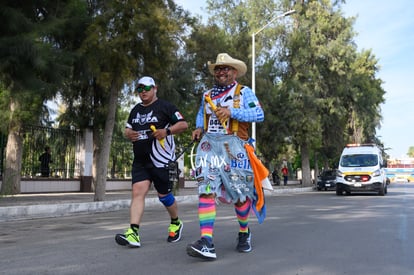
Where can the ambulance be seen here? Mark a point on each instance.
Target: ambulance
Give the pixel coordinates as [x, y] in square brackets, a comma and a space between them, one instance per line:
[361, 169]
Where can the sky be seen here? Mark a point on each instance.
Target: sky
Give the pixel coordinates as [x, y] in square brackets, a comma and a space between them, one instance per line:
[387, 28]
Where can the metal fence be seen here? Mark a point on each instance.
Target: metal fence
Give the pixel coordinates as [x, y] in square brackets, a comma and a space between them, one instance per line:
[62, 145]
[35, 138]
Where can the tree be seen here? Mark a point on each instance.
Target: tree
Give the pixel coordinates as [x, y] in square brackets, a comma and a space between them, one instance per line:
[33, 65]
[302, 81]
[410, 152]
[366, 96]
[333, 90]
[126, 39]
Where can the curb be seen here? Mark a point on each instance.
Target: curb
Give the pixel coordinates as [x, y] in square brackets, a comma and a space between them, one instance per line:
[13, 213]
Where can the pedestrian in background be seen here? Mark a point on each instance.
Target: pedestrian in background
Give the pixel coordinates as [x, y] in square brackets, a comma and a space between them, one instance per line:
[45, 159]
[285, 173]
[275, 176]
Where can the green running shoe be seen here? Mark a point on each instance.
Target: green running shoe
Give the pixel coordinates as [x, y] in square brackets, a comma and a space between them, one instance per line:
[129, 238]
[174, 232]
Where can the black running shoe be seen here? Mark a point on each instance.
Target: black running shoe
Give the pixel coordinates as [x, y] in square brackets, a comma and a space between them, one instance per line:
[244, 242]
[202, 249]
[121, 240]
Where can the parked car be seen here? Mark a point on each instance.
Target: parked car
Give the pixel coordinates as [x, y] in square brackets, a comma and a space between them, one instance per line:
[327, 180]
[400, 179]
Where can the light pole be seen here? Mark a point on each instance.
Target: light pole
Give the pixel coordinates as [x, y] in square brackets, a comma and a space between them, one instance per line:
[254, 58]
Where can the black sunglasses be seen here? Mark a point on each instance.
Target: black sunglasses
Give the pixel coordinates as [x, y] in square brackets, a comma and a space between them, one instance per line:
[140, 89]
[222, 69]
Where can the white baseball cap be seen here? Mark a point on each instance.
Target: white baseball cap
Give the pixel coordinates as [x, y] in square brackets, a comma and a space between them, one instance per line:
[147, 81]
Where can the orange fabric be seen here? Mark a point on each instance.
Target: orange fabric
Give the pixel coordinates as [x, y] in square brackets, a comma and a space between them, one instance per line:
[260, 173]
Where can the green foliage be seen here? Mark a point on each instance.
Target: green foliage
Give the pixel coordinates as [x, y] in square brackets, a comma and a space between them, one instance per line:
[410, 152]
[314, 86]
[4, 106]
[34, 60]
[306, 73]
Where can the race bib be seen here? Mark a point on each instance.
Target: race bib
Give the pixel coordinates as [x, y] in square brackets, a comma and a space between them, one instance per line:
[215, 126]
[142, 135]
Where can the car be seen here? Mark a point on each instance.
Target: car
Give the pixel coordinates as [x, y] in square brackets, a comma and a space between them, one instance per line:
[327, 180]
[361, 168]
[400, 179]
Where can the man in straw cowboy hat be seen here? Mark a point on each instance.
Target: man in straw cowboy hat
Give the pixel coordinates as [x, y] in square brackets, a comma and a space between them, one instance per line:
[223, 165]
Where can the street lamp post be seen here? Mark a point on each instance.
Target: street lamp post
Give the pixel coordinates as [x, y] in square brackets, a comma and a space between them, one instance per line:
[254, 58]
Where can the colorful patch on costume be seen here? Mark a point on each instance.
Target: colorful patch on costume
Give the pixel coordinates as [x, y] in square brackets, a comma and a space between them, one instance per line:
[212, 169]
[227, 147]
[211, 177]
[249, 178]
[198, 171]
[234, 177]
[242, 185]
[200, 179]
[243, 163]
[240, 155]
[205, 146]
[254, 104]
[227, 168]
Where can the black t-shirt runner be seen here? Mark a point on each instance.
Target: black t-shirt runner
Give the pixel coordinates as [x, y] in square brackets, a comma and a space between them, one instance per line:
[161, 114]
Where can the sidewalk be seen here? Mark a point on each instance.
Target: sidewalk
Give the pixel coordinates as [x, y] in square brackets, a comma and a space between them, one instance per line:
[40, 205]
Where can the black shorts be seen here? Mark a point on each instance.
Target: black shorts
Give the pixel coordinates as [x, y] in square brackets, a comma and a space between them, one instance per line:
[147, 171]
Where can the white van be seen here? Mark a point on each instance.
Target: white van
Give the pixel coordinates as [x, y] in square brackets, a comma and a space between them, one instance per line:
[361, 169]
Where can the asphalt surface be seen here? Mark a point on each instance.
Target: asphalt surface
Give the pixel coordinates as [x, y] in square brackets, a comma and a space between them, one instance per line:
[40, 205]
[308, 233]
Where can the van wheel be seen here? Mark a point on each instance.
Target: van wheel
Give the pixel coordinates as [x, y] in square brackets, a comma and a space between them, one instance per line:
[381, 192]
[338, 192]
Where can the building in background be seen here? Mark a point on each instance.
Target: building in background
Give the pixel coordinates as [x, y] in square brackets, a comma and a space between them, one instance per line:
[400, 169]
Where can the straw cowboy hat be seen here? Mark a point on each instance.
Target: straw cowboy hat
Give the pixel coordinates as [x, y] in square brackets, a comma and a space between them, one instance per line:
[224, 59]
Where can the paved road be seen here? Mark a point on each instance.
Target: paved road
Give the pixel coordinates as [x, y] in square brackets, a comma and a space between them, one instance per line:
[304, 233]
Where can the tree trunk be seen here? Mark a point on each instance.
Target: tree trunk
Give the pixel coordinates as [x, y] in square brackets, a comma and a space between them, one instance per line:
[102, 156]
[96, 147]
[12, 172]
[316, 166]
[306, 173]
